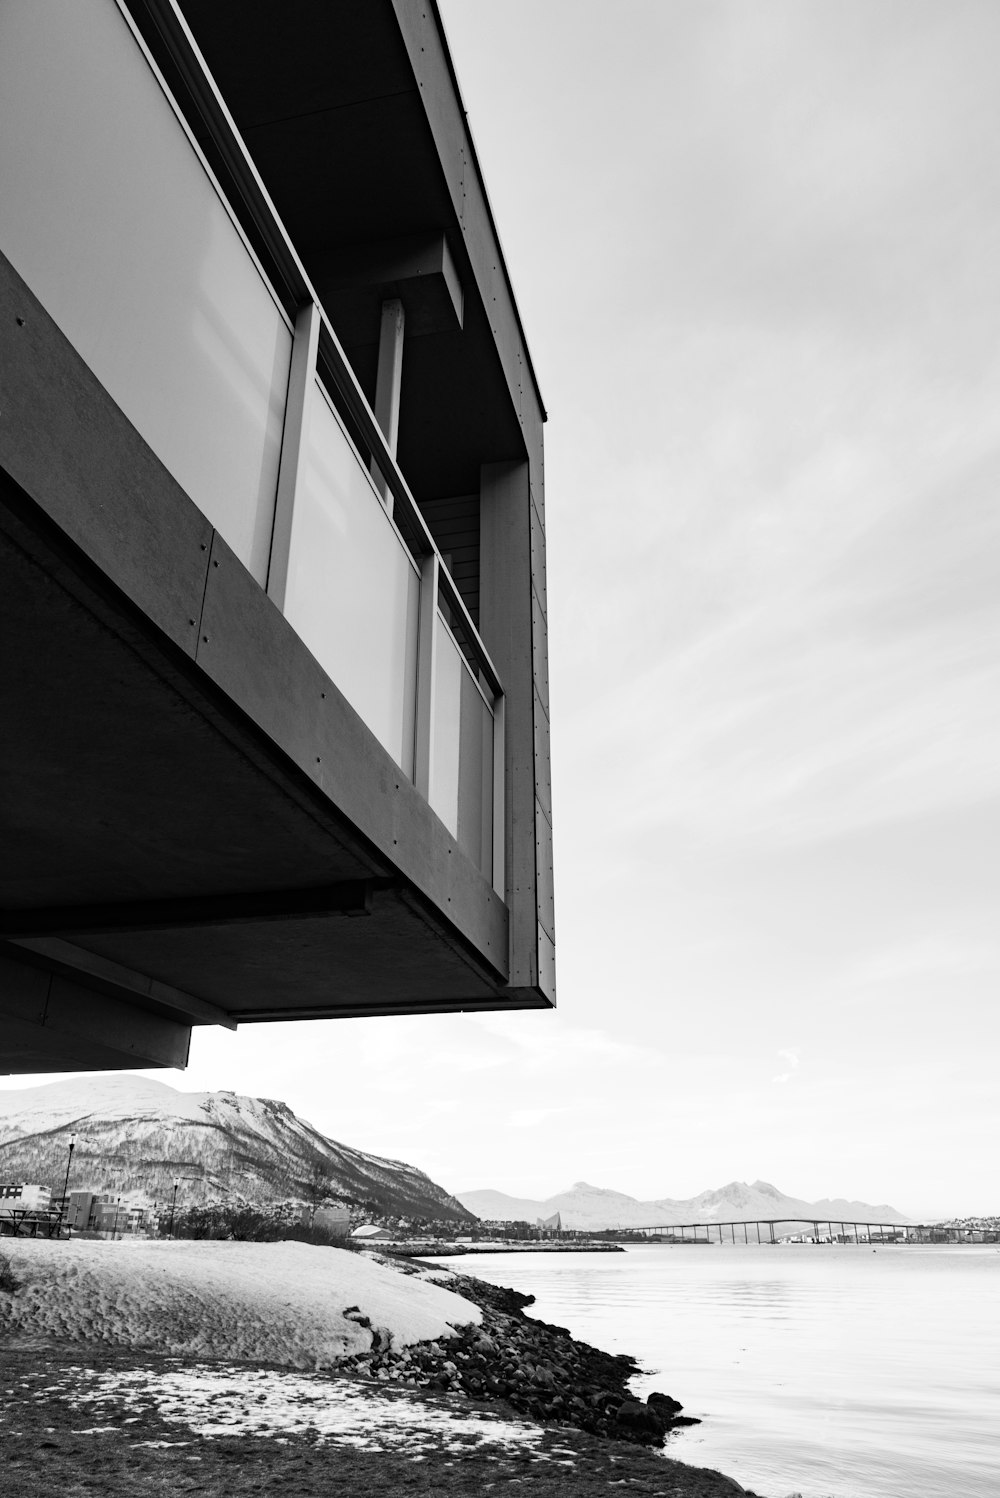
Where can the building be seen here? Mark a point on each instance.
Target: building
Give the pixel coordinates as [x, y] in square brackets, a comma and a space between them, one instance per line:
[372, 1233]
[104, 1212]
[333, 1220]
[272, 546]
[79, 1209]
[24, 1197]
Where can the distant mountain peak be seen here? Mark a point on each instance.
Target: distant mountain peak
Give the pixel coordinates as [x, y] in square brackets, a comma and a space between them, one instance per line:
[138, 1135]
[592, 1208]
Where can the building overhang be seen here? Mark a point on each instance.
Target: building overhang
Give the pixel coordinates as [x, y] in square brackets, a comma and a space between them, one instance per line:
[199, 827]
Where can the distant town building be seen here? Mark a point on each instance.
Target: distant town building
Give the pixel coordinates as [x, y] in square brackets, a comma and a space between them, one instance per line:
[25, 1197]
[103, 1212]
[333, 1220]
[371, 1233]
[79, 1209]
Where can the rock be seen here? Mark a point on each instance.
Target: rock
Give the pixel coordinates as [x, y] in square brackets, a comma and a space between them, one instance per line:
[639, 1422]
[541, 1371]
[664, 1404]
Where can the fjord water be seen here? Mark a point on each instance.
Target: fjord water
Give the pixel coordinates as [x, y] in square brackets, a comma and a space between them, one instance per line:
[820, 1370]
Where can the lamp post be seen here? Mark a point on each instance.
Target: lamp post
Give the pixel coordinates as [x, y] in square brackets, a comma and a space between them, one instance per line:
[69, 1162]
[114, 1230]
[173, 1203]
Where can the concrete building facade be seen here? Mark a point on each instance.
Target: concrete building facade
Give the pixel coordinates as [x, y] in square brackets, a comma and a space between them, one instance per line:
[272, 534]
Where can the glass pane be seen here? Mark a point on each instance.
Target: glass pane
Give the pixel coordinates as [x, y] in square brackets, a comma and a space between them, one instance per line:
[352, 590]
[447, 727]
[462, 776]
[110, 217]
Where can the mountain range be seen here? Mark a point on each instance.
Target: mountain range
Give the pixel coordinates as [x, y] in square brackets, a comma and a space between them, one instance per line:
[592, 1208]
[139, 1135]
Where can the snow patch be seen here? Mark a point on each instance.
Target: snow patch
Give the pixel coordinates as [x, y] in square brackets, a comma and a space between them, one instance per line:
[281, 1303]
[231, 1401]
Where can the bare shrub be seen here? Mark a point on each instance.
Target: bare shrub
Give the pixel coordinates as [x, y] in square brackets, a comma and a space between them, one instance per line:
[8, 1279]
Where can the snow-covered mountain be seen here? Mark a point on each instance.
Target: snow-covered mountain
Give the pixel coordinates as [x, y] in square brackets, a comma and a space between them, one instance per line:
[592, 1207]
[136, 1134]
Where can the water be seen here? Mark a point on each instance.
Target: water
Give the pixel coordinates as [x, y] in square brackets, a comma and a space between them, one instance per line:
[830, 1372]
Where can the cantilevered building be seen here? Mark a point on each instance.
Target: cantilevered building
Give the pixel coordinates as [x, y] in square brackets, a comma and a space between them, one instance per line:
[274, 727]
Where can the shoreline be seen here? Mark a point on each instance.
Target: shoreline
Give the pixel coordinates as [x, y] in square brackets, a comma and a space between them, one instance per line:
[435, 1250]
[507, 1392]
[61, 1429]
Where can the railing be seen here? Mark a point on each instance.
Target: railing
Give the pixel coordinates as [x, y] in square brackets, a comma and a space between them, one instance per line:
[120, 224]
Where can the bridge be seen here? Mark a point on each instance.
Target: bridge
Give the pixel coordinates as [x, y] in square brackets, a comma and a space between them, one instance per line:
[802, 1229]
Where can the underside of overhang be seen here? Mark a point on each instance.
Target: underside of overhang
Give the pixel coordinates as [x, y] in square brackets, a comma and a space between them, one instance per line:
[162, 866]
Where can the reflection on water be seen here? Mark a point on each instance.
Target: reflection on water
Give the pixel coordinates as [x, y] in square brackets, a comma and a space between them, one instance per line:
[835, 1372]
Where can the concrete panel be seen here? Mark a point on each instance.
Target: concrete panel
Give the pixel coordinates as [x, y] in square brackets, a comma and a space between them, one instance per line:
[544, 873]
[543, 758]
[539, 649]
[546, 965]
[69, 448]
[538, 568]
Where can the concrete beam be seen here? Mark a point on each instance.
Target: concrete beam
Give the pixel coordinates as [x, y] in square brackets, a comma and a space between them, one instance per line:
[122, 982]
[54, 1023]
[417, 268]
[351, 897]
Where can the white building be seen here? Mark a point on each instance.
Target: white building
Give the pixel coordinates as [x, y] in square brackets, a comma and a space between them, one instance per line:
[26, 1197]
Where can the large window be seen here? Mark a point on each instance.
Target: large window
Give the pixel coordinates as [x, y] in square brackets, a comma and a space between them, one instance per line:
[109, 214]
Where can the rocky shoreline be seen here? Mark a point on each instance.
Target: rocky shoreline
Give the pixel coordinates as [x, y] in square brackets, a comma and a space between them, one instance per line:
[101, 1396]
[538, 1370]
[449, 1250]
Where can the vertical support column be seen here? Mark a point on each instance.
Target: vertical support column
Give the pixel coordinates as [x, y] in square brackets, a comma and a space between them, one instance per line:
[423, 749]
[294, 445]
[499, 823]
[387, 384]
[513, 627]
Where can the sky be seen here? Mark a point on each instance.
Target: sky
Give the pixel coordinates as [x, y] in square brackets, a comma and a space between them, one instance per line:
[756, 248]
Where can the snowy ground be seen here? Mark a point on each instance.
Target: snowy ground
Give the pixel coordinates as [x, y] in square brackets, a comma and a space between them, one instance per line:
[127, 1367]
[292, 1304]
[211, 1401]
